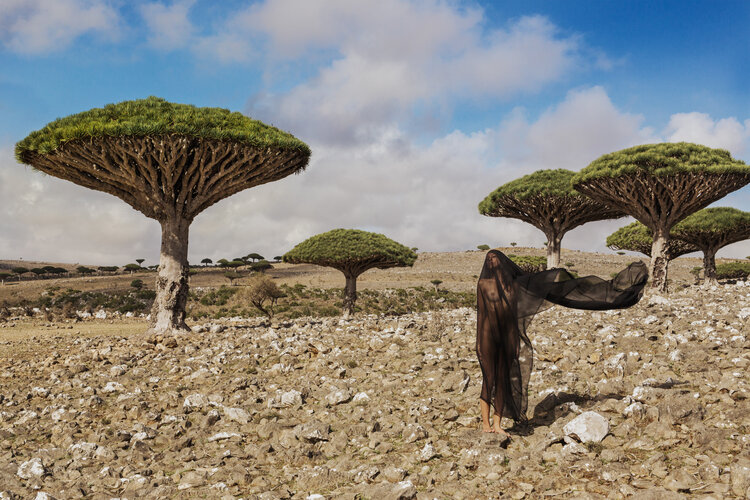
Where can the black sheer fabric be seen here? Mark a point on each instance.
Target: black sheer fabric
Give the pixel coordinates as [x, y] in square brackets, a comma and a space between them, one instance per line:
[507, 300]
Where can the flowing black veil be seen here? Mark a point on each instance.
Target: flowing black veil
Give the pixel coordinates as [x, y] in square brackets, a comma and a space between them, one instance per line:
[507, 300]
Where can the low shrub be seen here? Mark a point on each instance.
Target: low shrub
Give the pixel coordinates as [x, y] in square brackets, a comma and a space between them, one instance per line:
[529, 263]
[733, 270]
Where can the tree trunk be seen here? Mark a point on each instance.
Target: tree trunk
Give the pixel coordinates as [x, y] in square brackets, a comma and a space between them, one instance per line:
[168, 311]
[350, 294]
[553, 250]
[709, 266]
[659, 261]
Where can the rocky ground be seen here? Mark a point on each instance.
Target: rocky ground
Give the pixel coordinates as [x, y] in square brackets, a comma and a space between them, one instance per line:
[385, 407]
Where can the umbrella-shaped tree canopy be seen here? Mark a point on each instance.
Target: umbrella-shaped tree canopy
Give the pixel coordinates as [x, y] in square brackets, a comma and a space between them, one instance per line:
[170, 162]
[636, 237]
[352, 252]
[546, 200]
[711, 229]
[661, 184]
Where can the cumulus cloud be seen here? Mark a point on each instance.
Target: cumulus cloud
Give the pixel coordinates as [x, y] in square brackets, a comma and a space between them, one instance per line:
[45, 218]
[40, 26]
[394, 61]
[423, 195]
[427, 195]
[168, 25]
[726, 133]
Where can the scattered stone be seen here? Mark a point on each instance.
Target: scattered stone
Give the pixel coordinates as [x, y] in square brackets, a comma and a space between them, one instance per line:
[31, 468]
[588, 427]
[427, 453]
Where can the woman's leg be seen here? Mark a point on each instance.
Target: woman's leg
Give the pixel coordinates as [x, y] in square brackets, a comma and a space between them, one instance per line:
[485, 409]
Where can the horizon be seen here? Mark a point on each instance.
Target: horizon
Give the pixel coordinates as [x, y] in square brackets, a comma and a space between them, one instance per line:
[414, 110]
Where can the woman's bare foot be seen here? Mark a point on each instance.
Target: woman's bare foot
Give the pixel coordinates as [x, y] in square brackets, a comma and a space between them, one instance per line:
[486, 427]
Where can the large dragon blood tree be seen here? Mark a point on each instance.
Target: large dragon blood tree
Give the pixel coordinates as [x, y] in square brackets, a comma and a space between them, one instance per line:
[711, 229]
[352, 252]
[168, 161]
[546, 200]
[636, 237]
[661, 184]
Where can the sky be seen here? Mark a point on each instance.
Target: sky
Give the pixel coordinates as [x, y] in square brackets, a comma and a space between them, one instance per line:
[415, 110]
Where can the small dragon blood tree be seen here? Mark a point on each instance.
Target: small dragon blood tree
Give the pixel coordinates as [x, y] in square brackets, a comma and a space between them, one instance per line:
[661, 184]
[352, 252]
[168, 161]
[636, 237]
[711, 229]
[546, 200]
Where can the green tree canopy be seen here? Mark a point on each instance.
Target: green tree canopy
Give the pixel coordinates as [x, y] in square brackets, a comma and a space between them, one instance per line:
[170, 162]
[546, 200]
[636, 237]
[20, 270]
[154, 116]
[352, 252]
[661, 184]
[710, 230]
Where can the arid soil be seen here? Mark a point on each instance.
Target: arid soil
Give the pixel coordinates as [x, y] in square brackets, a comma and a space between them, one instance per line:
[385, 407]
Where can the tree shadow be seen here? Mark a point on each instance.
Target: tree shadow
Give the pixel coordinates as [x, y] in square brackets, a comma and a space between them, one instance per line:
[545, 414]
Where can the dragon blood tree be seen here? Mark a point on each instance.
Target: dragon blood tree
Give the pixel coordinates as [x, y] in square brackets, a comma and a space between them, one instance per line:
[636, 237]
[546, 200]
[168, 161]
[661, 184]
[710, 230]
[352, 252]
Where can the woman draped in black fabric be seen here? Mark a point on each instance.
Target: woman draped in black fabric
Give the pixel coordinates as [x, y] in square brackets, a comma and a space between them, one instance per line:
[507, 300]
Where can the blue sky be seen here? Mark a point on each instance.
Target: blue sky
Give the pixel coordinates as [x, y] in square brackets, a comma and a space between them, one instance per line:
[415, 110]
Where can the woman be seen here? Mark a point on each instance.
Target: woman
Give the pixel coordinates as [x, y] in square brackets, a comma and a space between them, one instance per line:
[507, 300]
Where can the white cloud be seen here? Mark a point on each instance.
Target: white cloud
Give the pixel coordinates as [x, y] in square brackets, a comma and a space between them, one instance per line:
[571, 134]
[391, 61]
[700, 128]
[168, 25]
[40, 26]
[421, 195]
[55, 220]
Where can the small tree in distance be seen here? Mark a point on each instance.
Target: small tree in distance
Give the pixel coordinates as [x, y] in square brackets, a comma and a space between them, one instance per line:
[132, 268]
[483, 248]
[661, 184]
[710, 230]
[206, 262]
[254, 257]
[140, 261]
[232, 276]
[352, 252]
[261, 266]
[546, 200]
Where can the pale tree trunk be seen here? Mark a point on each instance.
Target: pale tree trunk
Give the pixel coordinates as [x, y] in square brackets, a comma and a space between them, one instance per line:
[659, 261]
[553, 250]
[709, 266]
[168, 311]
[350, 294]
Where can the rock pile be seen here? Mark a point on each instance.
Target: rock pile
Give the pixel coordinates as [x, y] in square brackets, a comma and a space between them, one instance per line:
[652, 401]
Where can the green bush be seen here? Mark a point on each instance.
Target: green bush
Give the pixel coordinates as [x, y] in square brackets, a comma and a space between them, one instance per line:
[218, 297]
[528, 263]
[733, 270]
